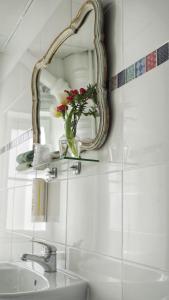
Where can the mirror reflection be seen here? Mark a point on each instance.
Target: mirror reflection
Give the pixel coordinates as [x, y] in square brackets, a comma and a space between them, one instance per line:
[67, 89]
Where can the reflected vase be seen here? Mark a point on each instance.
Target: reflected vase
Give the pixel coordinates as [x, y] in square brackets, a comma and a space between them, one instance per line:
[70, 143]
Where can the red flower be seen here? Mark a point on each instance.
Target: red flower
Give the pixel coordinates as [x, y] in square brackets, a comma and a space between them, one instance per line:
[82, 91]
[70, 99]
[62, 108]
[74, 92]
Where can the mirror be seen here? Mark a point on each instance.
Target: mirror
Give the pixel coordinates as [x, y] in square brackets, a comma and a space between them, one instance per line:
[69, 84]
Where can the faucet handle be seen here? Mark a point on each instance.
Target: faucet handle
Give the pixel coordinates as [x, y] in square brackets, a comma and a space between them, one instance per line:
[50, 248]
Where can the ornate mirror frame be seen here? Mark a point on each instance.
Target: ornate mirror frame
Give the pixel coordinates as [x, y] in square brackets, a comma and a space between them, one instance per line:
[77, 22]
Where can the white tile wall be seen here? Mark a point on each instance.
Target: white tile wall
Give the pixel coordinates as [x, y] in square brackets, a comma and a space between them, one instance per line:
[20, 245]
[145, 143]
[95, 214]
[140, 282]
[55, 227]
[102, 273]
[146, 208]
[113, 149]
[110, 227]
[145, 27]
[146, 135]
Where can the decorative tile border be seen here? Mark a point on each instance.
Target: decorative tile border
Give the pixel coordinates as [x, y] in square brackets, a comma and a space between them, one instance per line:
[19, 140]
[140, 67]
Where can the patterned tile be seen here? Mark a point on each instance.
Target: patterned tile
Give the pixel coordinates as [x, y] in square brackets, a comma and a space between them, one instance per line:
[162, 54]
[140, 67]
[19, 140]
[113, 84]
[130, 73]
[121, 78]
[151, 61]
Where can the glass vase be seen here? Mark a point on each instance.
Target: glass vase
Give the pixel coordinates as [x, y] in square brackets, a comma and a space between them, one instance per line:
[73, 141]
[69, 147]
[74, 146]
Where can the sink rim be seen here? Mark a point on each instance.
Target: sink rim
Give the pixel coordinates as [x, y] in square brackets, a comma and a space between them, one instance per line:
[47, 277]
[19, 266]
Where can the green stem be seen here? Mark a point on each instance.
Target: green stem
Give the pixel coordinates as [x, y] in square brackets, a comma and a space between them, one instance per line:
[70, 135]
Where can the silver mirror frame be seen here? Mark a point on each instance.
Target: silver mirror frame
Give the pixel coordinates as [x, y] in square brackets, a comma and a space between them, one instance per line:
[77, 22]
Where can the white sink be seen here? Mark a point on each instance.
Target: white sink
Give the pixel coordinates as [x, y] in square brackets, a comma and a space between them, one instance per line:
[24, 282]
[14, 280]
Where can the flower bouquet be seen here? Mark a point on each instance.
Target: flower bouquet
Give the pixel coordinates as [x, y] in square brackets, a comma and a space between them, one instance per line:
[74, 104]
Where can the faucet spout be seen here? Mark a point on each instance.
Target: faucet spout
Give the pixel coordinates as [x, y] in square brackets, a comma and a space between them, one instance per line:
[47, 261]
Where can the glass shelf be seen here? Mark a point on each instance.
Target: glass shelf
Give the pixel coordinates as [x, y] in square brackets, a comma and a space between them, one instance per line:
[66, 167]
[56, 162]
[77, 159]
[64, 159]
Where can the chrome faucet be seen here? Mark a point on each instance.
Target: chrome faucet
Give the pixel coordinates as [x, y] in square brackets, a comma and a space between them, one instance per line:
[47, 261]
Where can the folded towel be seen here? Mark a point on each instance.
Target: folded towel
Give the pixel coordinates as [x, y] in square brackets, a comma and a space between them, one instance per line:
[55, 155]
[23, 166]
[25, 157]
[39, 200]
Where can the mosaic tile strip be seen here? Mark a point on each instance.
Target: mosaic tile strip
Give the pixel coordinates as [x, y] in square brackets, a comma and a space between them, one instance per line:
[130, 73]
[151, 61]
[140, 67]
[162, 54]
[121, 78]
[27, 135]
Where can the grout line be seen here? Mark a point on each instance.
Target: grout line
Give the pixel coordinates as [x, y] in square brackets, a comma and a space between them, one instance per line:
[113, 258]
[14, 187]
[120, 260]
[93, 252]
[16, 99]
[142, 265]
[125, 170]
[28, 5]
[66, 230]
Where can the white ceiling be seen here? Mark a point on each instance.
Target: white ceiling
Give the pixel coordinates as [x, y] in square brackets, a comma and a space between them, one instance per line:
[82, 41]
[11, 15]
[19, 27]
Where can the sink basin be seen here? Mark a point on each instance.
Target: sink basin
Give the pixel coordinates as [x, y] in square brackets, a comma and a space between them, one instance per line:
[15, 279]
[26, 282]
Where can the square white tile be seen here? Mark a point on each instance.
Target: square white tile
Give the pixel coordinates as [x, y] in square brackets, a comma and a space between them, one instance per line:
[144, 283]
[55, 228]
[146, 109]
[94, 214]
[102, 273]
[146, 216]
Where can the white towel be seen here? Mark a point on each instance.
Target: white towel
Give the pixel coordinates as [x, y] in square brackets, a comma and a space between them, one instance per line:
[39, 200]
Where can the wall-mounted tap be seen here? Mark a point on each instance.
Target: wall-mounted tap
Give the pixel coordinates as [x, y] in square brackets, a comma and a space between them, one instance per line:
[47, 261]
[52, 173]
